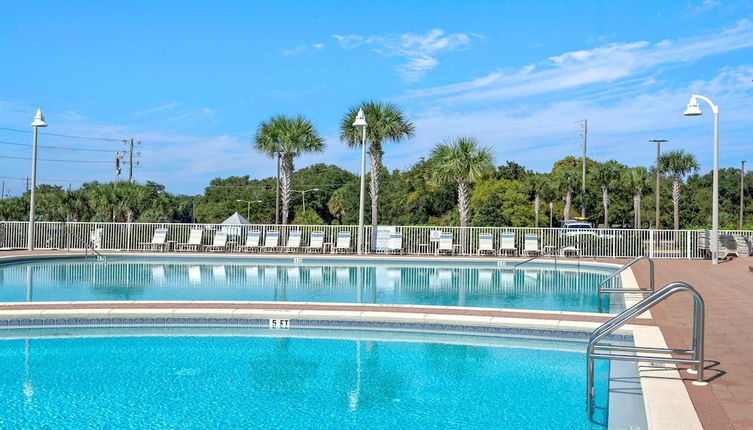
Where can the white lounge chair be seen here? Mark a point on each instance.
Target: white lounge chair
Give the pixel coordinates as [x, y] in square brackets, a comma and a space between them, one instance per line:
[252, 241]
[158, 241]
[271, 241]
[294, 241]
[485, 244]
[343, 242]
[531, 245]
[445, 244]
[219, 243]
[507, 246]
[194, 241]
[316, 243]
[395, 243]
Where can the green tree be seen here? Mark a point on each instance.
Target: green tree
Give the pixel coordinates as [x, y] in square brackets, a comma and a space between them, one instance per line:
[500, 202]
[463, 161]
[567, 180]
[678, 163]
[290, 137]
[538, 185]
[605, 175]
[308, 217]
[386, 123]
[639, 180]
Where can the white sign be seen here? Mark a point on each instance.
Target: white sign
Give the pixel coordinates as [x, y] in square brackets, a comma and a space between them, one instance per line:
[279, 324]
[434, 235]
[383, 237]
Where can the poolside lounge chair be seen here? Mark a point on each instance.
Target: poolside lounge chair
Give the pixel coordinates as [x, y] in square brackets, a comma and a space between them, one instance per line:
[271, 241]
[343, 242]
[252, 241]
[194, 241]
[445, 244]
[294, 241]
[316, 243]
[508, 244]
[485, 244]
[158, 241]
[395, 244]
[531, 245]
[219, 243]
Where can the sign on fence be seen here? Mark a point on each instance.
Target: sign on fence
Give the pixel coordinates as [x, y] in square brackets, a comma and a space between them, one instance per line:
[383, 237]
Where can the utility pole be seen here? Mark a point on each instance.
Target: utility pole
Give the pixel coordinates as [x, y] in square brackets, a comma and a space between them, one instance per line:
[27, 183]
[658, 185]
[131, 154]
[2, 193]
[742, 192]
[583, 179]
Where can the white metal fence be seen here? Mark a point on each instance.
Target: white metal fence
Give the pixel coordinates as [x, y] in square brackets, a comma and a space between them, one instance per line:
[615, 243]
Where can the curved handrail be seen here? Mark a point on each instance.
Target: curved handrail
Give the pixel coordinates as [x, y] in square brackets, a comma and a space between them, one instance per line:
[87, 245]
[600, 289]
[609, 327]
[555, 251]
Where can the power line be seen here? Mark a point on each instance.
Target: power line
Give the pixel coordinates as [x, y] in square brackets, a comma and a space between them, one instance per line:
[55, 147]
[65, 135]
[48, 180]
[58, 161]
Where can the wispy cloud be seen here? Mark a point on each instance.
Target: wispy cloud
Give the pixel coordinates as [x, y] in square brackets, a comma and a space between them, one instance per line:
[156, 109]
[603, 64]
[420, 51]
[303, 49]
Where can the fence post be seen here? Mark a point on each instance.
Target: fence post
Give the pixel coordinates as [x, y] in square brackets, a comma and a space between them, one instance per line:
[687, 246]
[651, 243]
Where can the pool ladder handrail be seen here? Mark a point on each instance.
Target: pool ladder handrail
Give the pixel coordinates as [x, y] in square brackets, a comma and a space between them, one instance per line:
[87, 247]
[554, 252]
[610, 326]
[602, 289]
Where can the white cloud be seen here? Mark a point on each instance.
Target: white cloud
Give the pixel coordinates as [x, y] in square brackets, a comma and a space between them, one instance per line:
[419, 51]
[604, 64]
[156, 109]
[303, 49]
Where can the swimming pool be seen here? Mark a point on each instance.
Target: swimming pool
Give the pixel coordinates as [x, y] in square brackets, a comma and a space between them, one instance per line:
[564, 287]
[304, 379]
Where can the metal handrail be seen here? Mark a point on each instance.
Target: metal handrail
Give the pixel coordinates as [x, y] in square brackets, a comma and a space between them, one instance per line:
[87, 247]
[609, 327]
[601, 289]
[555, 251]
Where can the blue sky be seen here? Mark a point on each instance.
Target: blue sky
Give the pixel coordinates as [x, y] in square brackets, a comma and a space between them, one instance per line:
[192, 80]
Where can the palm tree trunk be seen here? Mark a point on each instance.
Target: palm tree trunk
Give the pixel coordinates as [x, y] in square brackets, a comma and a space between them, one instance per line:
[637, 207]
[568, 199]
[463, 202]
[536, 207]
[286, 174]
[676, 200]
[375, 163]
[605, 202]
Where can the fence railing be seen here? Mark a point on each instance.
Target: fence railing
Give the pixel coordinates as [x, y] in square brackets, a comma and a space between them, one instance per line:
[614, 243]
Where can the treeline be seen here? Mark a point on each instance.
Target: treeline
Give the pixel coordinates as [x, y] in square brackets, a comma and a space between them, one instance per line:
[503, 196]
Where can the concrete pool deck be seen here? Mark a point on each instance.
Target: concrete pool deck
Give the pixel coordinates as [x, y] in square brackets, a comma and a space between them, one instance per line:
[727, 402]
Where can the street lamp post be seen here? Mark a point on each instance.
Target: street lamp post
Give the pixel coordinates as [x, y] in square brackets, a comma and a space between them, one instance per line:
[551, 214]
[694, 110]
[303, 195]
[248, 208]
[361, 122]
[38, 122]
[742, 193]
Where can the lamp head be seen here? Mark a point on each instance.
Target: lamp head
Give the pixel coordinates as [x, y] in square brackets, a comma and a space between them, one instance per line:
[693, 109]
[360, 119]
[39, 119]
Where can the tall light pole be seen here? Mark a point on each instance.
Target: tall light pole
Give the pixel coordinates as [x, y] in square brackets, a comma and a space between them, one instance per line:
[742, 192]
[38, 122]
[583, 180]
[694, 110]
[248, 208]
[361, 122]
[303, 195]
[658, 184]
[277, 191]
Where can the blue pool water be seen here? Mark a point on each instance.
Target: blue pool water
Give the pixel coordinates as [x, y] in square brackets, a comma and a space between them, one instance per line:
[544, 287]
[246, 381]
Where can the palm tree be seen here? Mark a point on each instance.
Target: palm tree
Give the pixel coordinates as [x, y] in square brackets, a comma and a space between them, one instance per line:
[605, 174]
[567, 180]
[386, 122]
[678, 164]
[461, 160]
[539, 185]
[290, 137]
[639, 180]
[104, 200]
